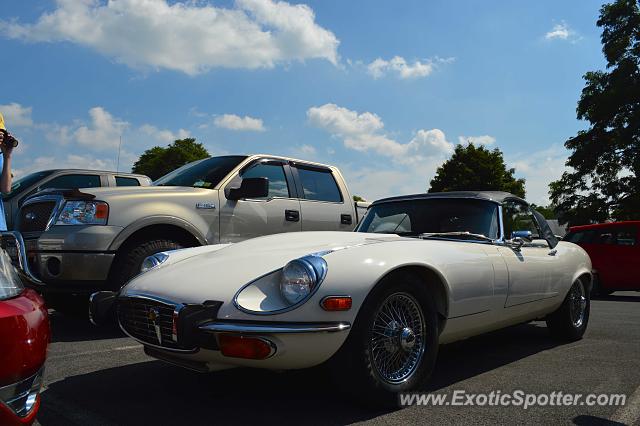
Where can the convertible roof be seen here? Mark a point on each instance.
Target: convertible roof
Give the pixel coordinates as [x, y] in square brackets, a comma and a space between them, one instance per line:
[495, 196]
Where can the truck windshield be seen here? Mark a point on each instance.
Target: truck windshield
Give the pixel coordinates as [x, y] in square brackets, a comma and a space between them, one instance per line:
[205, 173]
[25, 182]
[434, 218]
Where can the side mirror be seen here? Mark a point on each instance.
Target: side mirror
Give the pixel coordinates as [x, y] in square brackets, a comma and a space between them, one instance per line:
[519, 238]
[250, 188]
[524, 235]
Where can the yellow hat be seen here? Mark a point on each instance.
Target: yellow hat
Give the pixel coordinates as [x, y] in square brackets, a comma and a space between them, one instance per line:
[2, 122]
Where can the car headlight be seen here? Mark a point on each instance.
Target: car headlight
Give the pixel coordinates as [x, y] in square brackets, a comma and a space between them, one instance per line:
[83, 213]
[10, 284]
[301, 277]
[153, 261]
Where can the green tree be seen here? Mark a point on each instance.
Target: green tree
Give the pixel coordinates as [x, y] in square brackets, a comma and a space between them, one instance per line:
[604, 179]
[358, 198]
[472, 168]
[158, 161]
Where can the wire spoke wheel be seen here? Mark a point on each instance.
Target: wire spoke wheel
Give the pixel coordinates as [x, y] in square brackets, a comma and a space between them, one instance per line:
[398, 338]
[577, 304]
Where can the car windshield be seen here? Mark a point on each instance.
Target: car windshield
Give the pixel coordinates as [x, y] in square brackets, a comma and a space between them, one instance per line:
[434, 218]
[24, 182]
[205, 173]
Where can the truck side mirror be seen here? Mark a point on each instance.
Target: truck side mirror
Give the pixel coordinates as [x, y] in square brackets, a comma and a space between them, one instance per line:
[250, 188]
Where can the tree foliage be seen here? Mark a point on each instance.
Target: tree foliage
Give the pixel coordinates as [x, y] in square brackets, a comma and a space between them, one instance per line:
[358, 198]
[472, 168]
[604, 179]
[158, 161]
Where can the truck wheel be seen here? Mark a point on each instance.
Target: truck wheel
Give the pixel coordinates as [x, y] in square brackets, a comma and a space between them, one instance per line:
[393, 345]
[129, 259]
[569, 321]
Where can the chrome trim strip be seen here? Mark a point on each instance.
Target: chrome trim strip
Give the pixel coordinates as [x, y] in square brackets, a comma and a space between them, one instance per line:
[274, 328]
[23, 263]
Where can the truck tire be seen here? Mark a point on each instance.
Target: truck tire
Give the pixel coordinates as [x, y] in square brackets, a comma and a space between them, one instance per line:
[129, 259]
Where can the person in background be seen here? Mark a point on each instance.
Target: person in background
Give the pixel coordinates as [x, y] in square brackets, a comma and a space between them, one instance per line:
[5, 177]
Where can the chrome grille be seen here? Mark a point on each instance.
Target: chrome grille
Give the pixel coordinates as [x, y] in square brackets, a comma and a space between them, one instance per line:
[35, 217]
[148, 321]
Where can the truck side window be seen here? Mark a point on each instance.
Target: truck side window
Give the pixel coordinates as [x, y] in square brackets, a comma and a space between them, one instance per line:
[126, 181]
[275, 173]
[73, 181]
[319, 185]
[626, 237]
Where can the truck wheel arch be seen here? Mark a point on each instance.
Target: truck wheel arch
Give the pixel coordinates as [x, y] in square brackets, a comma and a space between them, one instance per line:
[164, 223]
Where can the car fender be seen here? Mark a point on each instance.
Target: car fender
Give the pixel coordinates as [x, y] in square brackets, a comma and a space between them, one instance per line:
[157, 220]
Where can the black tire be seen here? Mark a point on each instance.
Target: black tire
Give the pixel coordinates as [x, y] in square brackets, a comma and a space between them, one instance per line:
[569, 322]
[354, 368]
[129, 259]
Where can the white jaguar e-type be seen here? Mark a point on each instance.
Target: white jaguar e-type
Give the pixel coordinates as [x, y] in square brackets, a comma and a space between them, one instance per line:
[419, 271]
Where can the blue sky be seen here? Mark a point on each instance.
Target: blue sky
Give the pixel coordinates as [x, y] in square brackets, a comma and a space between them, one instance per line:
[382, 89]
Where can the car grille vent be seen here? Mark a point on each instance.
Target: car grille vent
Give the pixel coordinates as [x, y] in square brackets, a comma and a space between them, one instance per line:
[35, 217]
[148, 321]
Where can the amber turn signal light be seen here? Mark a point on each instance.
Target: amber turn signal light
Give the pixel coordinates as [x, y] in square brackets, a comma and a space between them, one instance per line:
[336, 303]
[245, 347]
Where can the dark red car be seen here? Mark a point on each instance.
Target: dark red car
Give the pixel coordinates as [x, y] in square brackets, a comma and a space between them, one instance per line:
[24, 336]
[615, 253]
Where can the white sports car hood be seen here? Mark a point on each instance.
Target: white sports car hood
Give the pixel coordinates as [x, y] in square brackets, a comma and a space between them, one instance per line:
[217, 272]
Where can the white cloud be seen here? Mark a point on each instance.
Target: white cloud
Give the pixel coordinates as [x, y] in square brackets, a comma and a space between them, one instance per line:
[365, 132]
[16, 115]
[562, 31]
[235, 122]
[539, 168]
[307, 151]
[163, 135]
[192, 37]
[104, 131]
[485, 140]
[398, 65]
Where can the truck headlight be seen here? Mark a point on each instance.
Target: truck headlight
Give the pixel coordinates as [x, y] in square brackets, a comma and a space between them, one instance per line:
[301, 278]
[83, 213]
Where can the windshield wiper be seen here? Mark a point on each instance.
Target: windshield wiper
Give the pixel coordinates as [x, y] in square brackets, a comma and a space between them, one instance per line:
[456, 234]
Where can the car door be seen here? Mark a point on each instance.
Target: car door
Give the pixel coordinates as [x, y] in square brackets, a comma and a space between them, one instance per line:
[248, 218]
[623, 257]
[531, 267]
[323, 206]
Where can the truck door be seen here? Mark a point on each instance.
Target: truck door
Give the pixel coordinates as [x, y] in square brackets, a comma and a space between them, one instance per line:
[248, 218]
[322, 205]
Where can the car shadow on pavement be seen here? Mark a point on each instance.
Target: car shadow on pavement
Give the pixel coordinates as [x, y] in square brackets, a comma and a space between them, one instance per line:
[468, 358]
[594, 421]
[156, 393]
[67, 328]
[620, 297]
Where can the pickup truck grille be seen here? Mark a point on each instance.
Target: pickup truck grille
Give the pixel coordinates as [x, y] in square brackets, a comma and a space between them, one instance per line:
[34, 217]
[148, 321]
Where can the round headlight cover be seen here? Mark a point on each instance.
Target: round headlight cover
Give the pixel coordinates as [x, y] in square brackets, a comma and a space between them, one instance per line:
[153, 261]
[301, 277]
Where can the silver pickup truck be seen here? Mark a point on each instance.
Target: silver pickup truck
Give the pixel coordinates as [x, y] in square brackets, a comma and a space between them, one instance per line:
[78, 241]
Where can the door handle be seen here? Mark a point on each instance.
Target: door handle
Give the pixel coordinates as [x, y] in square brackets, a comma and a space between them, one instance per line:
[292, 215]
[345, 219]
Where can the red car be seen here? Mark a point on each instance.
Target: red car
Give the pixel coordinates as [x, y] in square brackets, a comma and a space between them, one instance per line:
[614, 249]
[24, 336]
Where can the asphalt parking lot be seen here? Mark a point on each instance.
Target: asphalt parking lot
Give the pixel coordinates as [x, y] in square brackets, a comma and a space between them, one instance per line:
[100, 377]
